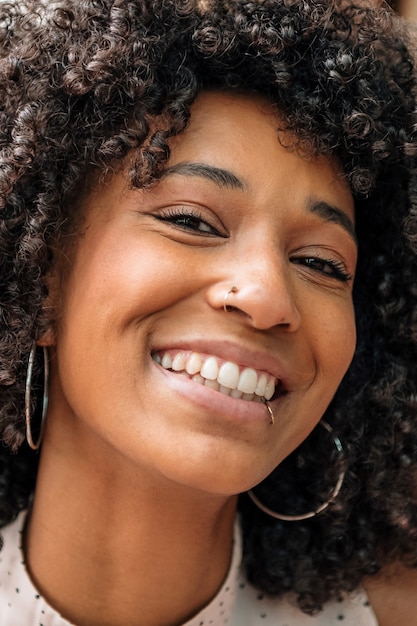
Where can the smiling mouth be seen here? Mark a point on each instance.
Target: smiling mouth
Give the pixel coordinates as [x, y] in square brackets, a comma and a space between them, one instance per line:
[223, 376]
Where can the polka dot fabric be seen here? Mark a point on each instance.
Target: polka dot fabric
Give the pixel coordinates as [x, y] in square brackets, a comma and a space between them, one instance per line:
[20, 602]
[254, 609]
[236, 604]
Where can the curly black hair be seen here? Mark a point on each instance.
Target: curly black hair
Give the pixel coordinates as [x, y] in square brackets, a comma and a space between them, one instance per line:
[85, 83]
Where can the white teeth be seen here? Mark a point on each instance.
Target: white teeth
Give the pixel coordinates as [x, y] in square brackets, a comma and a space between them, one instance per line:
[212, 384]
[247, 396]
[227, 378]
[261, 386]
[228, 375]
[194, 363]
[248, 380]
[166, 361]
[270, 390]
[178, 362]
[210, 369]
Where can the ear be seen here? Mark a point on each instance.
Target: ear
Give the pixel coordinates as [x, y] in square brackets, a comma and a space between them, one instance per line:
[50, 308]
[47, 338]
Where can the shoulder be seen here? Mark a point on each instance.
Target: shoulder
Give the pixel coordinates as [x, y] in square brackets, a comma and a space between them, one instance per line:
[11, 555]
[13, 581]
[393, 594]
[256, 609]
[20, 602]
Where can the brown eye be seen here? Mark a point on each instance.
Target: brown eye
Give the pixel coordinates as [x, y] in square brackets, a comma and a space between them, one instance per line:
[189, 220]
[329, 267]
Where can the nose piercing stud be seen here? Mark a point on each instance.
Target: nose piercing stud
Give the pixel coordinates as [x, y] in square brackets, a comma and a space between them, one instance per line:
[231, 290]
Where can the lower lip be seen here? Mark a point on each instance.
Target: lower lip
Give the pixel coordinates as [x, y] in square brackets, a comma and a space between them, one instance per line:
[215, 401]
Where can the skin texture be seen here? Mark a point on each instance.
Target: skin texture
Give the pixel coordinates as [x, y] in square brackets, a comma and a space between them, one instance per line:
[407, 8]
[392, 594]
[145, 454]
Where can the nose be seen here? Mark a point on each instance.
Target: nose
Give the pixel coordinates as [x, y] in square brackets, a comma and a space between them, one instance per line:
[259, 287]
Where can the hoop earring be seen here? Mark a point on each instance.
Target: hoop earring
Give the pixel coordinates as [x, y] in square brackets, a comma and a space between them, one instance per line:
[319, 509]
[28, 391]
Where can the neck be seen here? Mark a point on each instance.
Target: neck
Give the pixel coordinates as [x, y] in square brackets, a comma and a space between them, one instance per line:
[392, 595]
[119, 541]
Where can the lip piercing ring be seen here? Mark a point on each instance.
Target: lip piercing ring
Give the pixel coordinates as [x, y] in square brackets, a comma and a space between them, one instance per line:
[231, 290]
[271, 414]
[270, 411]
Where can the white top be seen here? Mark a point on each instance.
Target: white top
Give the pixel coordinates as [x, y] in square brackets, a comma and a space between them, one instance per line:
[236, 604]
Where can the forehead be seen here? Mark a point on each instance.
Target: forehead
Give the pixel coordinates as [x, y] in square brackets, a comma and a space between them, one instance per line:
[245, 135]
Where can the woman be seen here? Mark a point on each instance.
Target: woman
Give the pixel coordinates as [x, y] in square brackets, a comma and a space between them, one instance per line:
[188, 190]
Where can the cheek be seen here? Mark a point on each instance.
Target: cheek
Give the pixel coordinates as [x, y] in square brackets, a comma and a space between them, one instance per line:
[123, 278]
[338, 341]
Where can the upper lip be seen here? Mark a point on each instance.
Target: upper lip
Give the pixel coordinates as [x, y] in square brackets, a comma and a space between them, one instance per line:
[235, 352]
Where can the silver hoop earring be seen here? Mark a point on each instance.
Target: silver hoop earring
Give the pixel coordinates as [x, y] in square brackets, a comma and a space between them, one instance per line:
[319, 509]
[28, 392]
[231, 290]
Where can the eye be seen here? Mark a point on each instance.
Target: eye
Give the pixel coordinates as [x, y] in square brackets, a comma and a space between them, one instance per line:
[189, 220]
[328, 267]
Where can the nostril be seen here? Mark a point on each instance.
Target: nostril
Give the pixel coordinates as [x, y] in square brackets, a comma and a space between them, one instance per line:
[226, 306]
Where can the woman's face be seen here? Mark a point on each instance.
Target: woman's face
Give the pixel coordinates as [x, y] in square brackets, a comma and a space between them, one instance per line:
[145, 296]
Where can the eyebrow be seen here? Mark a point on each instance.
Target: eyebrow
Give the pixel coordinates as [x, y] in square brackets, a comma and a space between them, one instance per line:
[226, 178]
[332, 214]
[217, 175]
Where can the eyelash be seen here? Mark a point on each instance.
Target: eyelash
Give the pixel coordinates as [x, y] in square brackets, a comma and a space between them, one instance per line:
[176, 215]
[173, 215]
[338, 270]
